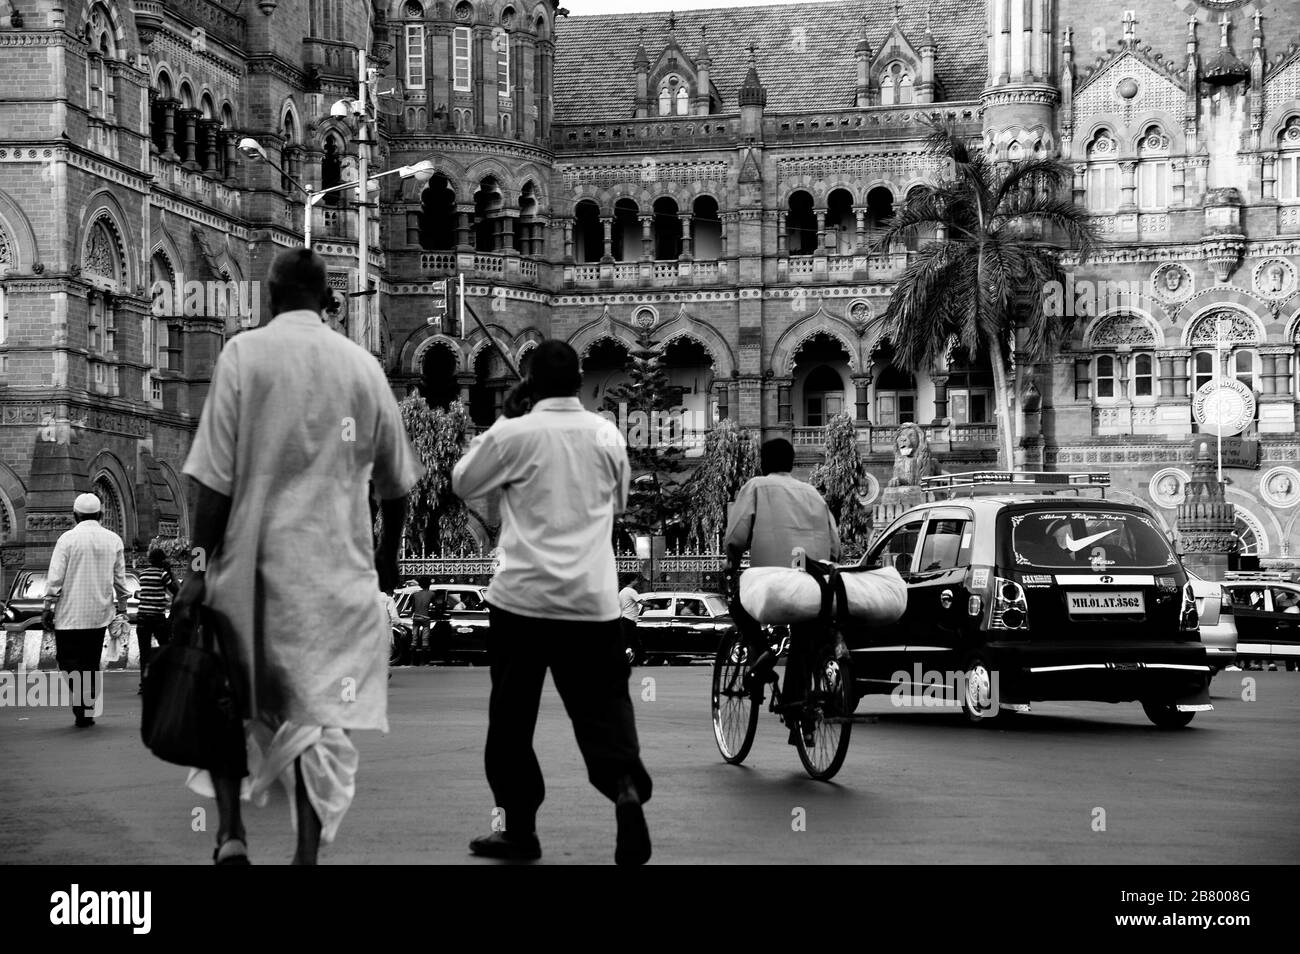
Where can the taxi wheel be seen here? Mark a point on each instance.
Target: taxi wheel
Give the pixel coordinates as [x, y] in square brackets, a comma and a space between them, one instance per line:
[1165, 715]
[979, 698]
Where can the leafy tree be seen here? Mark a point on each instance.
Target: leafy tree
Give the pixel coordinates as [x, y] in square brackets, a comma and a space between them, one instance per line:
[656, 461]
[437, 521]
[836, 479]
[730, 459]
[987, 273]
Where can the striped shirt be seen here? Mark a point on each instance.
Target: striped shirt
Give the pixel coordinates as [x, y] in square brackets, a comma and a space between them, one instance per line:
[87, 571]
[155, 594]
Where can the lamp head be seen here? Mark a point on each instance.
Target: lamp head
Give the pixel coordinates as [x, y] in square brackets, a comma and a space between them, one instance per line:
[343, 107]
[251, 148]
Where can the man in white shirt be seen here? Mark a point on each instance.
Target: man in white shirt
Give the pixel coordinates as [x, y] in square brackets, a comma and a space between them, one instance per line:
[563, 475]
[87, 573]
[629, 609]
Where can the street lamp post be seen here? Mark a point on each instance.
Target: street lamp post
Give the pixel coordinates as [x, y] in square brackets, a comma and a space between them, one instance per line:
[423, 169]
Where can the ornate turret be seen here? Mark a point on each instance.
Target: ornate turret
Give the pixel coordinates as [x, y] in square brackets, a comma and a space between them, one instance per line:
[1224, 69]
[753, 98]
[1206, 521]
[641, 64]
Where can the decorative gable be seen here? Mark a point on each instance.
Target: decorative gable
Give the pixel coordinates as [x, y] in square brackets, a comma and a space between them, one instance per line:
[1126, 90]
[895, 69]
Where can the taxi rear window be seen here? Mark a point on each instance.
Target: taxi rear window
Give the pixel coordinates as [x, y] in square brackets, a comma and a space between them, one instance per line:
[1096, 540]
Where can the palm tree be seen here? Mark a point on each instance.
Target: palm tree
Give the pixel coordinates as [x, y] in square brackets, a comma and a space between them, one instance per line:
[986, 272]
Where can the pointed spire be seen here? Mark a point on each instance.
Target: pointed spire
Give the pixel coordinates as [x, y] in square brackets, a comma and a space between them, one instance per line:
[704, 53]
[1225, 69]
[752, 92]
[864, 45]
[642, 59]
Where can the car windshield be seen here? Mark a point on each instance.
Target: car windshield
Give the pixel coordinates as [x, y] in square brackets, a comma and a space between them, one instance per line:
[35, 587]
[1094, 540]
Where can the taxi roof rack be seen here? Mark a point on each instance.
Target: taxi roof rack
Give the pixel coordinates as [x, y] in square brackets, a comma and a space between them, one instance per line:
[1259, 576]
[990, 482]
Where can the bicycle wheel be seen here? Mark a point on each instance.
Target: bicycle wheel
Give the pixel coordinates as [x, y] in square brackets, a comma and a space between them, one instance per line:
[827, 719]
[735, 712]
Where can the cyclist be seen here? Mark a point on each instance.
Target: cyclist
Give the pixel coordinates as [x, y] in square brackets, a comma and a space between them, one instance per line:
[772, 515]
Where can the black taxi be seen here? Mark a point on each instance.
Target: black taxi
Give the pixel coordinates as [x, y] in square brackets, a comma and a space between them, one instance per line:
[1027, 587]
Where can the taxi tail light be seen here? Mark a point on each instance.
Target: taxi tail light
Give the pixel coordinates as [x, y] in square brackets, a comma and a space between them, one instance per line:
[974, 605]
[1010, 608]
[1187, 618]
[1225, 603]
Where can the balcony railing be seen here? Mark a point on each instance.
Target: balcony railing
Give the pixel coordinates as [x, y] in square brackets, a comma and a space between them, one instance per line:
[660, 272]
[880, 438]
[493, 265]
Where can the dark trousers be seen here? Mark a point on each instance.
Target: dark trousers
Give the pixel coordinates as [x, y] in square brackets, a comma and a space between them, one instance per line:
[147, 629]
[79, 651]
[756, 643]
[591, 674]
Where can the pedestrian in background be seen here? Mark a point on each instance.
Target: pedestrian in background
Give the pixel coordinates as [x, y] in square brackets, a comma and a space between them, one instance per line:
[421, 616]
[629, 609]
[87, 575]
[563, 475]
[299, 424]
[157, 587]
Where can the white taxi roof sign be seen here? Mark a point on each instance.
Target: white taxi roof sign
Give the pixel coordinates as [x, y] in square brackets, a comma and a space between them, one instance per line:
[1016, 482]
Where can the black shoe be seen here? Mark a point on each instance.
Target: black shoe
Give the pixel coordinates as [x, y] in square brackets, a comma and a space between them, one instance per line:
[507, 847]
[633, 845]
[84, 722]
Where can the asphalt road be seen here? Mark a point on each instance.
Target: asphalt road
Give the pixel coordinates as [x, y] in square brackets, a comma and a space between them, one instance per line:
[918, 786]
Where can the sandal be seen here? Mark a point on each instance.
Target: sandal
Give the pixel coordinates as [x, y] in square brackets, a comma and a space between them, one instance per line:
[238, 855]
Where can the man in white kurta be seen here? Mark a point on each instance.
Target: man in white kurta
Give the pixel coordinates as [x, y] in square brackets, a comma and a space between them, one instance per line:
[298, 423]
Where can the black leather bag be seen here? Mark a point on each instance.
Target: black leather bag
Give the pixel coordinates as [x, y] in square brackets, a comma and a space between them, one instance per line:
[192, 714]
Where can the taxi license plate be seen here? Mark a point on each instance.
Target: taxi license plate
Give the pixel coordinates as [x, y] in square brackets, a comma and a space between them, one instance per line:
[1126, 602]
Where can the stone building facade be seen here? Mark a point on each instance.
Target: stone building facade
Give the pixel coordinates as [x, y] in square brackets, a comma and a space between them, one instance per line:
[715, 177]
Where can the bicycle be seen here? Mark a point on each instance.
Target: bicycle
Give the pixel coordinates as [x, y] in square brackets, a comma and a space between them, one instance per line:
[824, 721]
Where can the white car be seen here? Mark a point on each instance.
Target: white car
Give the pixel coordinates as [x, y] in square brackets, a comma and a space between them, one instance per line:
[1218, 631]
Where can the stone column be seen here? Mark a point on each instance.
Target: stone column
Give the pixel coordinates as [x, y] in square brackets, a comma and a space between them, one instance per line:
[647, 238]
[464, 237]
[1128, 187]
[940, 382]
[190, 119]
[861, 215]
[211, 128]
[607, 226]
[169, 129]
[153, 102]
[862, 398]
[821, 231]
[781, 249]
[232, 156]
[568, 240]
[687, 243]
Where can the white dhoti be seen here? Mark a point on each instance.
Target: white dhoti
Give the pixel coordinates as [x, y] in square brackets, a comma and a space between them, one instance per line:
[329, 769]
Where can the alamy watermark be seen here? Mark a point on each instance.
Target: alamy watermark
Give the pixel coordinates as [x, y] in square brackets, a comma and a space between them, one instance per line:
[944, 690]
[52, 688]
[190, 298]
[1088, 299]
[677, 427]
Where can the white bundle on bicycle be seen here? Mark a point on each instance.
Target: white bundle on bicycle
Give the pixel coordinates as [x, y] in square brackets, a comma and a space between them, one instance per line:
[777, 595]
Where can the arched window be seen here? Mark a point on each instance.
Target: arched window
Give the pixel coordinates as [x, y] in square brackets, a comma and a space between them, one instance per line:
[112, 515]
[1153, 170]
[1102, 187]
[626, 233]
[588, 233]
[895, 85]
[706, 230]
[289, 133]
[895, 397]
[488, 206]
[415, 56]
[665, 102]
[970, 389]
[1245, 368]
[823, 396]
[683, 101]
[1143, 376]
[331, 169]
[1288, 162]
[102, 46]
[1105, 377]
[800, 225]
[1202, 369]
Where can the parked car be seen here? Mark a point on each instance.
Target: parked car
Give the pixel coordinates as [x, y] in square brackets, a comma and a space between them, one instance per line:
[1020, 589]
[459, 616]
[679, 627]
[26, 599]
[1214, 611]
[1265, 608]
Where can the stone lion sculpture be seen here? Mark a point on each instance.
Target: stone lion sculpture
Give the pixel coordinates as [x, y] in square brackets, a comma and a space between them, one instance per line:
[912, 459]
